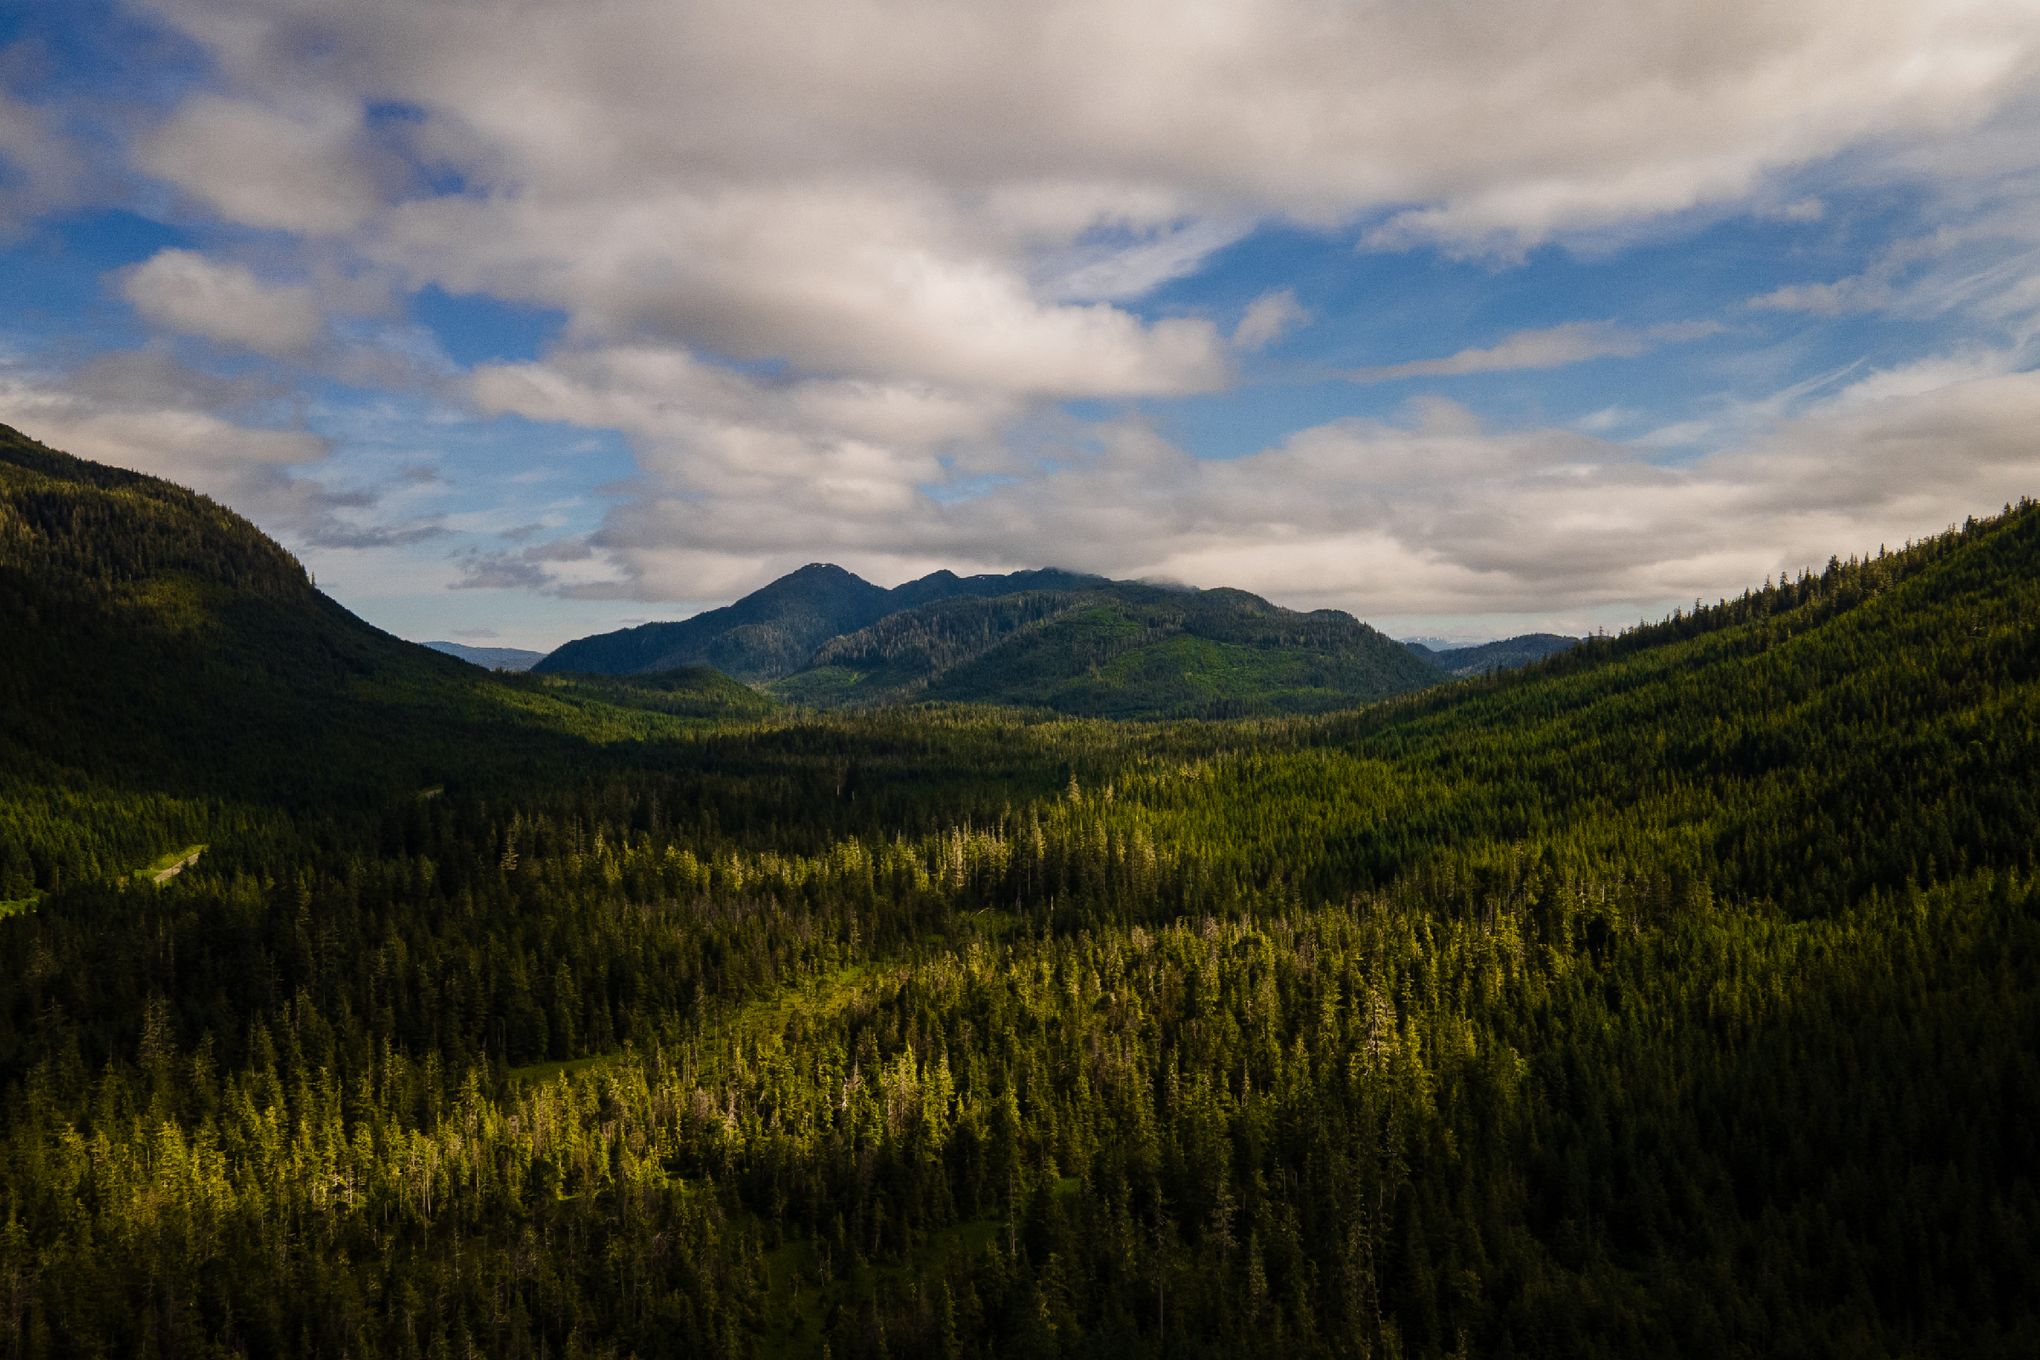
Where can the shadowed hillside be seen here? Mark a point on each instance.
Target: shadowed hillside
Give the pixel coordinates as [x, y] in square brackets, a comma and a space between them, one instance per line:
[1678, 995]
[1115, 649]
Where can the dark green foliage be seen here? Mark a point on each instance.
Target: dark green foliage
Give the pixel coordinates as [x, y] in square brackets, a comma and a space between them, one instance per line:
[162, 654]
[1678, 995]
[687, 692]
[1115, 649]
[1032, 639]
[774, 631]
[769, 632]
[1487, 657]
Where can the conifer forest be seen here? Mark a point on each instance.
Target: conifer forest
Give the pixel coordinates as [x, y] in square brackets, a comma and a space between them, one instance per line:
[1677, 994]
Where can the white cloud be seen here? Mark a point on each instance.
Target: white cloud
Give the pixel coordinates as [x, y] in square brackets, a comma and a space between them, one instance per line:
[805, 453]
[40, 168]
[1128, 265]
[908, 189]
[1430, 515]
[183, 291]
[142, 410]
[1799, 210]
[1550, 347]
[111, 403]
[1268, 318]
[829, 263]
[832, 277]
[301, 169]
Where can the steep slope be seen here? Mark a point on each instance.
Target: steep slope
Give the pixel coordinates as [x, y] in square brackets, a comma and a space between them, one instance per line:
[153, 628]
[489, 658]
[776, 629]
[166, 665]
[769, 632]
[1853, 728]
[1114, 649]
[1487, 657]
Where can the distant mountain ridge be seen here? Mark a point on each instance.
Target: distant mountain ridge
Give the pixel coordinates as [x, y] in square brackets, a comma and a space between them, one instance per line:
[775, 630]
[1114, 649]
[489, 658]
[1047, 638]
[1484, 658]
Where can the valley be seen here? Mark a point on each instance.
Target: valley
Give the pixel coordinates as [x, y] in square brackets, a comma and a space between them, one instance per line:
[1032, 1003]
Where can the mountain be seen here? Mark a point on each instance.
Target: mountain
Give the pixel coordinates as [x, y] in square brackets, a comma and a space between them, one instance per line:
[168, 670]
[769, 632]
[1113, 649]
[1676, 994]
[775, 630]
[1852, 728]
[151, 628]
[1032, 639]
[1461, 661]
[489, 658]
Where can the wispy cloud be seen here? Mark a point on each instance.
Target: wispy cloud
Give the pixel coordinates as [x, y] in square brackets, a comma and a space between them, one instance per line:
[1549, 347]
[1268, 318]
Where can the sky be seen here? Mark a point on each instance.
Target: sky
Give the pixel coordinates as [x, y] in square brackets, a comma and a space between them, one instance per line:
[519, 321]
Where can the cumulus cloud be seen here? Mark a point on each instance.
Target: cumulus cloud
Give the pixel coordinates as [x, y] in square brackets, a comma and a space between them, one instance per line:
[832, 277]
[720, 451]
[145, 411]
[906, 189]
[1431, 514]
[183, 291]
[1520, 121]
[1550, 347]
[830, 266]
[301, 168]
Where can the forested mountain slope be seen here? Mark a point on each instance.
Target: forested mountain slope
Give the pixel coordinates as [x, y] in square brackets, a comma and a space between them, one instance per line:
[1031, 639]
[152, 629]
[1677, 995]
[164, 660]
[1485, 657]
[1114, 649]
[774, 630]
[1869, 723]
[155, 641]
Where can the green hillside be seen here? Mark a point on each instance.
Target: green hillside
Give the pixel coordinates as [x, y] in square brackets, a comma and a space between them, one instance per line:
[767, 633]
[1053, 640]
[1486, 657]
[168, 665]
[775, 630]
[1116, 649]
[686, 692]
[1678, 995]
